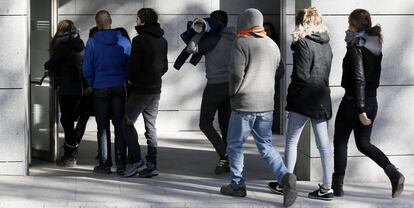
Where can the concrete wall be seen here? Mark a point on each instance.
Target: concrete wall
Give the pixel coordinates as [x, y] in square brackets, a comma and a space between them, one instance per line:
[13, 54]
[182, 90]
[393, 128]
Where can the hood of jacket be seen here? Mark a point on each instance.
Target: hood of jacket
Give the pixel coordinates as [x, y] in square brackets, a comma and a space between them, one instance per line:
[373, 44]
[321, 38]
[249, 18]
[152, 29]
[107, 37]
[362, 39]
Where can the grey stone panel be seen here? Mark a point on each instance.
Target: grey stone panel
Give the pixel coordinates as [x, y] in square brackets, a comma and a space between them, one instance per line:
[237, 6]
[12, 125]
[12, 168]
[182, 89]
[13, 7]
[232, 20]
[290, 26]
[182, 6]
[170, 24]
[290, 7]
[67, 7]
[13, 53]
[301, 4]
[363, 169]
[374, 6]
[114, 7]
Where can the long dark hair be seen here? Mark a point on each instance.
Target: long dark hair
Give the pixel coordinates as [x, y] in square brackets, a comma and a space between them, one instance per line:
[360, 19]
[64, 27]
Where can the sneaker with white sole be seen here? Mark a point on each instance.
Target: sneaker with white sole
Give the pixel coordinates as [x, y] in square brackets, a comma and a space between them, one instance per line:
[275, 188]
[322, 194]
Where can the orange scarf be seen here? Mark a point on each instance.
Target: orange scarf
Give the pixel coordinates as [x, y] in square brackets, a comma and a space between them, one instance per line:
[256, 32]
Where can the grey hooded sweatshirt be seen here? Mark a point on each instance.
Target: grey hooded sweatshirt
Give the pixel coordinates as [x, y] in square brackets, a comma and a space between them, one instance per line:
[217, 59]
[252, 67]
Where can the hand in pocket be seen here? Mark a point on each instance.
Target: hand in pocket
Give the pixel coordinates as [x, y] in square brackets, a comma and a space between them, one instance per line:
[364, 119]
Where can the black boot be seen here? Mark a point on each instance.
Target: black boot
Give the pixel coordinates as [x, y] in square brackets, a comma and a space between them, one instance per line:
[396, 178]
[337, 185]
[69, 156]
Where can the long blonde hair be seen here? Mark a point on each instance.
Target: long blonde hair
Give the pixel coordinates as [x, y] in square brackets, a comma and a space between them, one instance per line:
[308, 21]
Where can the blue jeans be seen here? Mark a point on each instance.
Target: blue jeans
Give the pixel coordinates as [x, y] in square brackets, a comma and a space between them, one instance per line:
[110, 104]
[260, 125]
[296, 124]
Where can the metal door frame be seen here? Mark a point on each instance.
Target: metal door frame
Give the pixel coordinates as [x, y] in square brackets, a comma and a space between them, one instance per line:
[54, 120]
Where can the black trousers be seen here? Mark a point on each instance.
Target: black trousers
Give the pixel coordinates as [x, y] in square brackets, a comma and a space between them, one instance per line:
[347, 120]
[67, 104]
[110, 105]
[216, 99]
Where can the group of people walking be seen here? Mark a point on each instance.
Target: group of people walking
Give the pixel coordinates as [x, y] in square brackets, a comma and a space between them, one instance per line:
[242, 70]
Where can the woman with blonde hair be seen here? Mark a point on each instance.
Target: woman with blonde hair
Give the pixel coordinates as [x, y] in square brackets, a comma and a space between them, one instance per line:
[66, 62]
[309, 95]
[358, 108]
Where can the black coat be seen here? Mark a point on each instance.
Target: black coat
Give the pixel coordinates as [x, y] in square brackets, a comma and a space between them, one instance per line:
[148, 60]
[66, 62]
[308, 92]
[361, 74]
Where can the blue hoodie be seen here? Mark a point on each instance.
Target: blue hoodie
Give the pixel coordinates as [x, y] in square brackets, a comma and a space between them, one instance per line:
[106, 58]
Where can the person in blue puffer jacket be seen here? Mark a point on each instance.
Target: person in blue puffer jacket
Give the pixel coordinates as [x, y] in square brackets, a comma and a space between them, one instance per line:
[105, 70]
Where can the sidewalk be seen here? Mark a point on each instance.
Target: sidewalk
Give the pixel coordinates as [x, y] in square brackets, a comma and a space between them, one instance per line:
[187, 163]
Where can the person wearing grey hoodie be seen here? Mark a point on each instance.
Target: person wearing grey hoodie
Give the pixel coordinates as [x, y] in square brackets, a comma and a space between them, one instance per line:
[253, 64]
[358, 108]
[215, 96]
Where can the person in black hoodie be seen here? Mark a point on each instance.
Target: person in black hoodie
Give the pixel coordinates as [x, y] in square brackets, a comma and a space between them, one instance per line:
[66, 61]
[358, 108]
[147, 65]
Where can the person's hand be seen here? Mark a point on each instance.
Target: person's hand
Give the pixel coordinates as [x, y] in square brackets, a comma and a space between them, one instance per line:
[364, 119]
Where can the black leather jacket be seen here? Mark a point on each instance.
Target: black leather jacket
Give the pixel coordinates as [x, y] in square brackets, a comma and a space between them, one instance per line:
[361, 74]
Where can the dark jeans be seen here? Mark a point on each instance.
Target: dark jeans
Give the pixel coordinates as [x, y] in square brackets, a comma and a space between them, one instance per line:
[216, 98]
[67, 105]
[110, 104]
[347, 120]
[148, 106]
